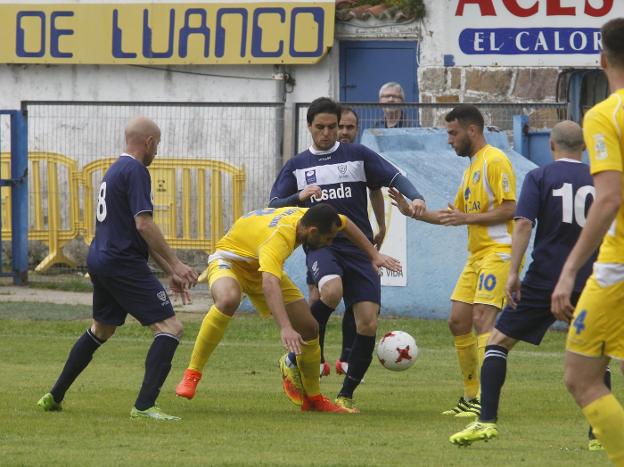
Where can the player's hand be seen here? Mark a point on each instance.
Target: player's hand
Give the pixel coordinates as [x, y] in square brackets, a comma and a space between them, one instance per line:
[291, 339]
[418, 207]
[452, 216]
[178, 289]
[387, 262]
[512, 289]
[400, 202]
[309, 191]
[379, 238]
[560, 304]
[185, 273]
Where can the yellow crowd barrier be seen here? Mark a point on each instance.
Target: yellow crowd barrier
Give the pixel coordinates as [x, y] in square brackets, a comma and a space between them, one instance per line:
[55, 218]
[175, 198]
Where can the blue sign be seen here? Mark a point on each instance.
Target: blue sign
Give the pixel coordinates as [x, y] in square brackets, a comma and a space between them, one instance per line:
[530, 41]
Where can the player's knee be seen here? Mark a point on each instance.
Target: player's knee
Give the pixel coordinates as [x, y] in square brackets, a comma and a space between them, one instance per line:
[309, 330]
[228, 301]
[102, 331]
[458, 326]
[331, 292]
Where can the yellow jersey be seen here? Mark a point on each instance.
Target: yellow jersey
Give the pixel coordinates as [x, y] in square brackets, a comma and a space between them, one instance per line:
[264, 238]
[603, 130]
[488, 182]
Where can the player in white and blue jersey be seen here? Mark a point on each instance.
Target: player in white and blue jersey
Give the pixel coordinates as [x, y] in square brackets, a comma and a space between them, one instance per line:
[339, 174]
[125, 236]
[557, 198]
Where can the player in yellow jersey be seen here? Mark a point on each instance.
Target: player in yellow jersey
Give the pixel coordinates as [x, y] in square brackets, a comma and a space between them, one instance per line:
[250, 259]
[485, 202]
[596, 332]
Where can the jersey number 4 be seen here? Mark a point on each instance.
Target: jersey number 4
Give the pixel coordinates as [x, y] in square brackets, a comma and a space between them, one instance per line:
[100, 212]
[573, 204]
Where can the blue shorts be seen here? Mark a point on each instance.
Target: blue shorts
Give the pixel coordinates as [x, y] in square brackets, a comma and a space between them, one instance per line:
[140, 295]
[360, 282]
[530, 321]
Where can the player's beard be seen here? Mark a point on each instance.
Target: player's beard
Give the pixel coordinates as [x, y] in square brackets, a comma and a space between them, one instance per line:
[465, 150]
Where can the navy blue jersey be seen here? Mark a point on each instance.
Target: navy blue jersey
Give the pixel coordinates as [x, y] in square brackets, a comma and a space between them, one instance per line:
[558, 197]
[125, 192]
[343, 173]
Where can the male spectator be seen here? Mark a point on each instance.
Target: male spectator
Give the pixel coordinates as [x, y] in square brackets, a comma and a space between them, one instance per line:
[597, 331]
[339, 174]
[394, 115]
[557, 197]
[485, 202]
[125, 235]
[250, 259]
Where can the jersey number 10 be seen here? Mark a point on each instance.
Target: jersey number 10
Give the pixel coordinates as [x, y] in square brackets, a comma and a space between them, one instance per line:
[573, 204]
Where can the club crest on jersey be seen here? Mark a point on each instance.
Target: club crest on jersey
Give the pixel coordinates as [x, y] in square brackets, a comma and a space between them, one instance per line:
[342, 170]
[600, 147]
[340, 192]
[476, 176]
[467, 193]
[310, 176]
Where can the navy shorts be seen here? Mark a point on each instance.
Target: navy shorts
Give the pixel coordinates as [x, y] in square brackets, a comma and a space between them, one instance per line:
[360, 282]
[140, 295]
[532, 317]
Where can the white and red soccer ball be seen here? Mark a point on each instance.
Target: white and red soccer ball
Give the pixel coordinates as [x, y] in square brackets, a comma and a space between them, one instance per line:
[397, 351]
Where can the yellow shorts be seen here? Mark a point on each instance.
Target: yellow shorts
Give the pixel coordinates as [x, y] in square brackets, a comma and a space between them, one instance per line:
[597, 327]
[483, 280]
[250, 281]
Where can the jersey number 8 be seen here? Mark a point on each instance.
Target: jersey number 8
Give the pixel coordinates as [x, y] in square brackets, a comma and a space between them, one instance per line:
[100, 212]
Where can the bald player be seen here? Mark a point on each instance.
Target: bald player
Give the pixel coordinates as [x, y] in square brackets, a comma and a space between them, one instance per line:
[125, 236]
[556, 197]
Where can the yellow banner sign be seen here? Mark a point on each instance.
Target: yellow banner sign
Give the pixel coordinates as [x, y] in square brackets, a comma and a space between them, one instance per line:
[162, 33]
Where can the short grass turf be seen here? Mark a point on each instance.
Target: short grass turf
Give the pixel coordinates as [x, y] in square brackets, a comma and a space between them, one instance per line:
[241, 417]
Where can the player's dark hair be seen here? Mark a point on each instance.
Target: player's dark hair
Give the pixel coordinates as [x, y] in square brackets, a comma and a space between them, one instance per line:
[345, 109]
[323, 105]
[322, 216]
[613, 41]
[466, 114]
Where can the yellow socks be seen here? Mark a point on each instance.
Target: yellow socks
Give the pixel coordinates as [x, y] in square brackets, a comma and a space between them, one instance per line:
[482, 340]
[210, 334]
[309, 362]
[606, 416]
[466, 347]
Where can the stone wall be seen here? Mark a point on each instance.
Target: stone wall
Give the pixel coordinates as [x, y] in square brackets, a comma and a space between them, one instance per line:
[449, 85]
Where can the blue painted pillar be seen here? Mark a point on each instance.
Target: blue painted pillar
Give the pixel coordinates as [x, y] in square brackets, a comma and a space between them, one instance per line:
[19, 196]
[521, 135]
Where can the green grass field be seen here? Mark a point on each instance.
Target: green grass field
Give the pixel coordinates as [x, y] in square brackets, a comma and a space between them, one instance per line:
[241, 417]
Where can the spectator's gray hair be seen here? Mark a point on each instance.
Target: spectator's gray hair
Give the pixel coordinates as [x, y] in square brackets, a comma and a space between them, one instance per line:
[568, 136]
[392, 84]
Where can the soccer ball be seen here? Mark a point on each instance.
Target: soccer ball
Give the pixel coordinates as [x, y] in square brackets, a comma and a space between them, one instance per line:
[397, 351]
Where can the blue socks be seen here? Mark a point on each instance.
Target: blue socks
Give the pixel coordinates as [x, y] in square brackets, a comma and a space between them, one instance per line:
[157, 366]
[493, 372]
[79, 357]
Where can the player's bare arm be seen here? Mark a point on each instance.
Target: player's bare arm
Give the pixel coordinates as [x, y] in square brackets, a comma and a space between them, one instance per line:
[519, 243]
[409, 210]
[599, 219]
[377, 203]
[378, 259]
[500, 214]
[176, 283]
[156, 243]
[407, 189]
[291, 339]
